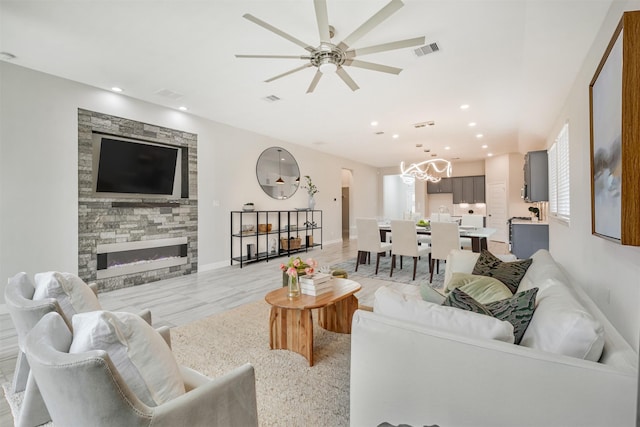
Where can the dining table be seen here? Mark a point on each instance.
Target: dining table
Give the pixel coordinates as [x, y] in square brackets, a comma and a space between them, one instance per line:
[477, 235]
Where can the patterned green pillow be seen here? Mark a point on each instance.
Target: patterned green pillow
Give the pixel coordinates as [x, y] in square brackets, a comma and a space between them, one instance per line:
[517, 310]
[459, 299]
[483, 289]
[509, 273]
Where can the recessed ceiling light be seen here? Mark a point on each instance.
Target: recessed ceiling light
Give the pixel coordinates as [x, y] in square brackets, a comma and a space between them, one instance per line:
[472, 124]
[485, 146]
[183, 108]
[116, 89]
[395, 136]
[447, 148]
[490, 155]
[374, 123]
[479, 135]
[464, 106]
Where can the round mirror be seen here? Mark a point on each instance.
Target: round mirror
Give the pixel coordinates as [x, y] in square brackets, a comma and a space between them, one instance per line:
[278, 173]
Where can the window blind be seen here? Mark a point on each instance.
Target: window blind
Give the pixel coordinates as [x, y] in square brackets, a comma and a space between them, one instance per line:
[559, 185]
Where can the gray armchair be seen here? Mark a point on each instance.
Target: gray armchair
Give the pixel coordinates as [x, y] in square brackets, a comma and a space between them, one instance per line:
[25, 314]
[86, 389]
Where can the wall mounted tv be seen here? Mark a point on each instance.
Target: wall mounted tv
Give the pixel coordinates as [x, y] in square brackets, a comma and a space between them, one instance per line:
[135, 169]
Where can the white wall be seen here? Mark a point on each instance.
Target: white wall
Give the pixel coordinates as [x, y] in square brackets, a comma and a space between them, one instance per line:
[610, 273]
[38, 172]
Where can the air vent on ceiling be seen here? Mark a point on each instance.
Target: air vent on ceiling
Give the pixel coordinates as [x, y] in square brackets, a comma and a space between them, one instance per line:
[427, 49]
[271, 98]
[424, 124]
[169, 94]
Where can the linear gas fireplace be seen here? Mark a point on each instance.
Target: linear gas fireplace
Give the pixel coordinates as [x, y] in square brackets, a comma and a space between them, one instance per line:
[116, 259]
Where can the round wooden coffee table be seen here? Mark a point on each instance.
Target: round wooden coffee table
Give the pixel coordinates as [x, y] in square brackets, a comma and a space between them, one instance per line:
[291, 323]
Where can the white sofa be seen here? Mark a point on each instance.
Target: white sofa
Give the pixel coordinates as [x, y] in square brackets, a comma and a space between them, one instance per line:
[403, 372]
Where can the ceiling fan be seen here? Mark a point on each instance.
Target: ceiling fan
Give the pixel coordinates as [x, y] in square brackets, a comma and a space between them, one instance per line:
[328, 57]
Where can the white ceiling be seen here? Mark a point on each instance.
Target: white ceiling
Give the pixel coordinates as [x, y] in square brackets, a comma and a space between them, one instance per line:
[512, 61]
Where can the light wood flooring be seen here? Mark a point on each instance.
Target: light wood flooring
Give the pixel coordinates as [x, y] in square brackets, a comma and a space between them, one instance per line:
[178, 301]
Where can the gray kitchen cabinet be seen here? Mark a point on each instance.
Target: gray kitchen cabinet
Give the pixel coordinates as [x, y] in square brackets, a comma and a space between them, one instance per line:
[445, 185]
[468, 189]
[526, 239]
[536, 177]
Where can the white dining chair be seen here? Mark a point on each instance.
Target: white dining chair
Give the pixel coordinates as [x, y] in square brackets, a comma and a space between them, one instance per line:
[445, 237]
[444, 217]
[405, 243]
[476, 221]
[369, 241]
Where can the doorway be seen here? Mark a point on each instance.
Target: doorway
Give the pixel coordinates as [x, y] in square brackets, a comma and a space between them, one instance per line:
[497, 211]
[347, 178]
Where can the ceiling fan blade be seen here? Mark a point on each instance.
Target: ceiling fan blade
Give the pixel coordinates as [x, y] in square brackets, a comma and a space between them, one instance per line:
[346, 78]
[385, 47]
[391, 8]
[315, 81]
[372, 66]
[278, 32]
[275, 56]
[323, 20]
[288, 72]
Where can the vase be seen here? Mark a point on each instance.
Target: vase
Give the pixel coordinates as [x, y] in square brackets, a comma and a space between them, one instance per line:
[294, 287]
[312, 203]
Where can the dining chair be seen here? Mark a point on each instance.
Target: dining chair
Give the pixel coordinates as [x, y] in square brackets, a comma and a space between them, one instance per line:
[405, 243]
[369, 241]
[444, 217]
[476, 221]
[445, 237]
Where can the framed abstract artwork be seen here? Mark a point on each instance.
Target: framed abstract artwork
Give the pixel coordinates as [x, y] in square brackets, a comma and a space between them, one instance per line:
[614, 107]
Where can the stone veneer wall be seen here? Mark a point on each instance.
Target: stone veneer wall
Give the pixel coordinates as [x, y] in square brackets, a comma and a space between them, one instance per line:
[99, 222]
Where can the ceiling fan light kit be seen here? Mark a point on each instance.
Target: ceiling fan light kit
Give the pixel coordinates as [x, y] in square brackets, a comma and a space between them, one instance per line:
[328, 57]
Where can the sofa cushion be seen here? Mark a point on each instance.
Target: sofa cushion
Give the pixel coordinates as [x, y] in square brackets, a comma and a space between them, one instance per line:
[562, 325]
[509, 273]
[483, 289]
[138, 351]
[517, 310]
[459, 261]
[392, 303]
[460, 299]
[73, 295]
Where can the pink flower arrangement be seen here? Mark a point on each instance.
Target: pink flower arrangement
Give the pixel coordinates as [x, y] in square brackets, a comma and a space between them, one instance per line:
[296, 266]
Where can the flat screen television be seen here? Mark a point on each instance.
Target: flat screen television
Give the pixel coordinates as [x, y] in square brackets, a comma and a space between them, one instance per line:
[128, 168]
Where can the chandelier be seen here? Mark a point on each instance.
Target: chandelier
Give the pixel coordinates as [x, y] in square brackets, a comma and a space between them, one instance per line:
[430, 170]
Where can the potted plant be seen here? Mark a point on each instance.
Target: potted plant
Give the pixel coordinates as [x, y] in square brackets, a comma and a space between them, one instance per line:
[311, 191]
[248, 207]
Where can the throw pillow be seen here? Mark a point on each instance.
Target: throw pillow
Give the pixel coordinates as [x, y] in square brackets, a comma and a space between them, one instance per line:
[411, 308]
[509, 273]
[483, 289]
[460, 299]
[73, 295]
[429, 294]
[139, 353]
[517, 310]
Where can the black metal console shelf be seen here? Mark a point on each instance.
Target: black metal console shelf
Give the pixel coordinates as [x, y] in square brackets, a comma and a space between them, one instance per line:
[251, 243]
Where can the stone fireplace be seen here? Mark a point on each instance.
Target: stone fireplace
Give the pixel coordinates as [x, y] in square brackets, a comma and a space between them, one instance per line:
[127, 242]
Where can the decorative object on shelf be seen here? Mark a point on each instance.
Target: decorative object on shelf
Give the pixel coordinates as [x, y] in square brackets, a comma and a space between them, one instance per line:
[272, 245]
[264, 228]
[311, 191]
[247, 228]
[535, 213]
[432, 170]
[248, 207]
[290, 243]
